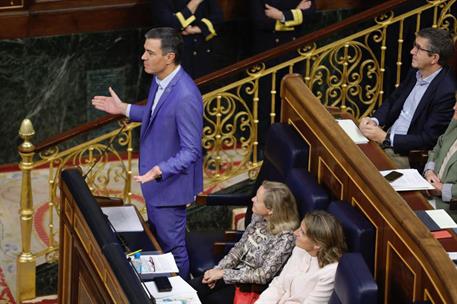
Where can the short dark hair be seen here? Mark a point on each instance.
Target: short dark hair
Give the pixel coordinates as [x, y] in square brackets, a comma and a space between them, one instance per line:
[440, 42]
[171, 40]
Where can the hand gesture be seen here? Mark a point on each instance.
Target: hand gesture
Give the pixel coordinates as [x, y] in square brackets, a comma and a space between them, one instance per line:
[370, 130]
[151, 175]
[273, 13]
[110, 104]
[304, 5]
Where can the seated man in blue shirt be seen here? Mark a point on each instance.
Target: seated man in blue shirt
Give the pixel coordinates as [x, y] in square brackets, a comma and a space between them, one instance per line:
[420, 109]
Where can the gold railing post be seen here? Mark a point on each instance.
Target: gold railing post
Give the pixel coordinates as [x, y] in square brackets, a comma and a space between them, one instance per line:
[26, 262]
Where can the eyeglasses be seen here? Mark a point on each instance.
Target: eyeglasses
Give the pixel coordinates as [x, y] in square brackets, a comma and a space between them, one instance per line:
[419, 48]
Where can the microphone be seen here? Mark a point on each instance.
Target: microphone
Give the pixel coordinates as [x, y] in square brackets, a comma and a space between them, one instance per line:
[105, 149]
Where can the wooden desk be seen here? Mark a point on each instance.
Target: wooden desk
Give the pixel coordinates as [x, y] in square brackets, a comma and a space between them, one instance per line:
[92, 264]
[410, 265]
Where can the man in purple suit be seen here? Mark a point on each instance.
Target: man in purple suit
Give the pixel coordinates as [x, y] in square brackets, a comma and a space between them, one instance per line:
[170, 163]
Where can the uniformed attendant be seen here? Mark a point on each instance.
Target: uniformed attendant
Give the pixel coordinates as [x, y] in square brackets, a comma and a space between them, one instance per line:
[198, 22]
[277, 21]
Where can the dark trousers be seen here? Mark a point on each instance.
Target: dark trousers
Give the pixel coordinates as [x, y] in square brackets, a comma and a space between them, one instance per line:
[221, 293]
[169, 227]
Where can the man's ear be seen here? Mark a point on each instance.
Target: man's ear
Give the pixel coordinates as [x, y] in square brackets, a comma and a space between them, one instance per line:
[436, 58]
[170, 57]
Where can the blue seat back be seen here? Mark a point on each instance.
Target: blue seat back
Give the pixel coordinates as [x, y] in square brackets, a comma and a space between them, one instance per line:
[308, 193]
[354, 283]
[284, 150]
[359, 232]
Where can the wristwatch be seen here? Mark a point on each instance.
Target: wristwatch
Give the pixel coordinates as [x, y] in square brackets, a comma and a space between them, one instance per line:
[386, 142]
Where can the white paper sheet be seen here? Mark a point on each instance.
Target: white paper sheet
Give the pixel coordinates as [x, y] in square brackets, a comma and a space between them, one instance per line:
[410, 181]
[123, 218]
[160, 263]
[181, 291]
[442, 218]
[352, 131]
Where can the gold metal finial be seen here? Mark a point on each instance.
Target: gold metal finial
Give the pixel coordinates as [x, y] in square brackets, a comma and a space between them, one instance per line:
[26, 132]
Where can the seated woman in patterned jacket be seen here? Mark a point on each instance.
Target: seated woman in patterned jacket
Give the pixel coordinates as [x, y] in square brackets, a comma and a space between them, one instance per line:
[262, 250]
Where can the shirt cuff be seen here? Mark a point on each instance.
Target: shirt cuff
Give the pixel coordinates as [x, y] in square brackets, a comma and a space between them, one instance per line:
[446, 192]
[430, 165]
[392, 136]
[375, 120]
[127, 111]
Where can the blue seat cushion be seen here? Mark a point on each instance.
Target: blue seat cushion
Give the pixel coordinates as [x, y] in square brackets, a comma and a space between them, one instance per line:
[200, 250]
[359, 232]
[285, 149]
[354, 283]
[308, 193]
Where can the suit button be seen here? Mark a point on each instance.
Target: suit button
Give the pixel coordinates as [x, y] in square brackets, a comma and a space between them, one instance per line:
[208, 51]
[195, 40]
[194, 53]
[277, 40]
[293, 38]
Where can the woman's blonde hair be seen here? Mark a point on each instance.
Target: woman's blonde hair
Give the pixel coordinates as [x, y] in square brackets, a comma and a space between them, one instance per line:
[326, 231]
[280, 200]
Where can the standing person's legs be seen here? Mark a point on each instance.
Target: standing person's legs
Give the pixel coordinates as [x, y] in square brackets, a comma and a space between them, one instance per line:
[169, 226]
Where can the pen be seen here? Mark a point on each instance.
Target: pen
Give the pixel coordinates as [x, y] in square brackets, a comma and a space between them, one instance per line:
[134, 252]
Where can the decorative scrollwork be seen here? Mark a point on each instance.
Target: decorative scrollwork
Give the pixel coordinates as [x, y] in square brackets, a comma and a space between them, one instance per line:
[385, 19]
[256, 70]
[447, 19]
[347, 76]
[307, 50]
[227, 135]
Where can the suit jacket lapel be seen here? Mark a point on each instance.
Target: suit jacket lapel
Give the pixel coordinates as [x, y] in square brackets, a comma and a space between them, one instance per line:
[147, 113]
[165, 95]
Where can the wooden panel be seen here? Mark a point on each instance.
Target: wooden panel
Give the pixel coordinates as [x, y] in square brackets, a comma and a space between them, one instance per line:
[11, 4]
[44, 18]
[410, 265]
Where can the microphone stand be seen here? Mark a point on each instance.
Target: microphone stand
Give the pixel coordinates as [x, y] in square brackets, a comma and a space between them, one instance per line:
[105, 149]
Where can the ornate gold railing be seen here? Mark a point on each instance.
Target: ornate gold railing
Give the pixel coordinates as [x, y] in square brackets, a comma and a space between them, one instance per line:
[348, 73]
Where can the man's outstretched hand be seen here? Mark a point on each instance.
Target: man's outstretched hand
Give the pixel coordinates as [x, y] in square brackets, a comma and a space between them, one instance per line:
[110, 104]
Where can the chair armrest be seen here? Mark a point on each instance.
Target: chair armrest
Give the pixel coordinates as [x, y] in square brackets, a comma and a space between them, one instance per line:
[108, 201]
[220, 249]
[418, 159]
[224, 199]
[232, 235]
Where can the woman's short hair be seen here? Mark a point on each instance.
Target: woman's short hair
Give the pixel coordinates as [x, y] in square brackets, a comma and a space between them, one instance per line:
[326, 231]
[280, 200]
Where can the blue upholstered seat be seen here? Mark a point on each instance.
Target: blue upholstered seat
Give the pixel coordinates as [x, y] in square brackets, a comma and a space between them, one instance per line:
[308, 193]
[359, 232]
[354, 283]
[284, 150]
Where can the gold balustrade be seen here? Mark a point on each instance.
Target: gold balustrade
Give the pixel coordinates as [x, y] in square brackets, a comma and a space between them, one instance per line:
[347, 73]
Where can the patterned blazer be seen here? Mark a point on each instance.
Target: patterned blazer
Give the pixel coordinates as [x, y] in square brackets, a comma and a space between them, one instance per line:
[258, 256]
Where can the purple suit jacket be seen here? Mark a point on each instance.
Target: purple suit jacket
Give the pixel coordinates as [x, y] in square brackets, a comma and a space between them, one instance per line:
[171, 139]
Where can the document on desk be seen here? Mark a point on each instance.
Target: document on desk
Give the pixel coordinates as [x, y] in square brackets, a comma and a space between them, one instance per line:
[436, 219]
[158, 263]
[411, 180]
[181, 292]
[123, 218]
[352, 131]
